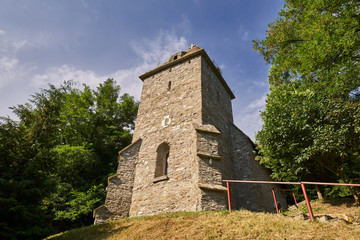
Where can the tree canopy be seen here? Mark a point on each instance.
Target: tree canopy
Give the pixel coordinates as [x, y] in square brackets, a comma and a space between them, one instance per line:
[56, 159]
[311, 120]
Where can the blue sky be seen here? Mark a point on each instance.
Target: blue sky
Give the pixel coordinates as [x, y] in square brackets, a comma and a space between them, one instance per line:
[48, 41]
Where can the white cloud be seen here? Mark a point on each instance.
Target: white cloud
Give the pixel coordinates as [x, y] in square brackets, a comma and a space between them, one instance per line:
[127, 78]
[57, 75]
[19, 44]
[10, 71]
[7, 64]
[185, 24]
[45, 39]
[244, 34]
[257, 104]
[19, 80]
[248, 119]
[11, 68]
[160, 48]
[261, 83]
[151, 52]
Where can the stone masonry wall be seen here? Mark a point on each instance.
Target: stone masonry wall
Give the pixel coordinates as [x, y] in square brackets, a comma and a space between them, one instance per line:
[120, 186]
[265, 199]
[181, 104]
[217, 111]
[210, 167]
[255, 197]
[238, 157]
[166, 113]
[243, 194]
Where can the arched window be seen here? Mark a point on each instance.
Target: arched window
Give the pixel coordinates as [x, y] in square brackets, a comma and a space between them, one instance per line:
[162, 158]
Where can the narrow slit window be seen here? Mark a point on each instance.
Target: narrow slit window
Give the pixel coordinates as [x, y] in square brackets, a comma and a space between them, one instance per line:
[169, 85]
[166, 163]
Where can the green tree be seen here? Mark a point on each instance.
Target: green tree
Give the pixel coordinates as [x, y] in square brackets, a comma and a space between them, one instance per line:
[23, 185]
[311, 119]
[60, 154]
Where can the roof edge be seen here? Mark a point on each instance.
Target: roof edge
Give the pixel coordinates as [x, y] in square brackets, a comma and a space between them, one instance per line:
[186, 57]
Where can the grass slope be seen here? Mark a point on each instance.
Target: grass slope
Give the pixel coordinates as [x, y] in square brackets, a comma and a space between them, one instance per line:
[224, 225]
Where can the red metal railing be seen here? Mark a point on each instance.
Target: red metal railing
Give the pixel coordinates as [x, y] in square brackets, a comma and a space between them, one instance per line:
[285, 190]
[302, 184]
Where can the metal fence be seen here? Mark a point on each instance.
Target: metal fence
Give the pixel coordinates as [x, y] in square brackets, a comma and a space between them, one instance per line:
[303, 188]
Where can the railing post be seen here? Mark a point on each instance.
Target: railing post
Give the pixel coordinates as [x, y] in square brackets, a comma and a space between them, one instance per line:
[307, 202]
[276, 206]
[228, 195]
[294, 198]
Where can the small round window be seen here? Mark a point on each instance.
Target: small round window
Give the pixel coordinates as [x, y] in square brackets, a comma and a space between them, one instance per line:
[166, 121]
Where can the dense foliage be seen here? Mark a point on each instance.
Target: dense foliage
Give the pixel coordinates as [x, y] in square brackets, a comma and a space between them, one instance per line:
[55, 161]
[311, 120]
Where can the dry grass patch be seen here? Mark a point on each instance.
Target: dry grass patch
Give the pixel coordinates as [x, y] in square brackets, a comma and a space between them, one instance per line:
[218, 225]
[335, 207]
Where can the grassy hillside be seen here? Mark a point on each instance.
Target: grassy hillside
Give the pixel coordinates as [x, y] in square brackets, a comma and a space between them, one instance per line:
[224, 225]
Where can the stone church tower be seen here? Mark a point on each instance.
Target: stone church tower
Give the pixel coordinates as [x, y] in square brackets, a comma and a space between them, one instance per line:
[184, 145]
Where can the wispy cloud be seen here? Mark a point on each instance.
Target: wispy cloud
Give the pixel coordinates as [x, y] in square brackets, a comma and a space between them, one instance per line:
[7, 64]
[19, 44]
[7, 70]
[57, 75]
[249, 119]
[150, 51]
[29, 79]
[160, 48]
[11, 71]
[11, 68]
[245, 36]
[243, 33]
[185, 24]
[260, 83]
